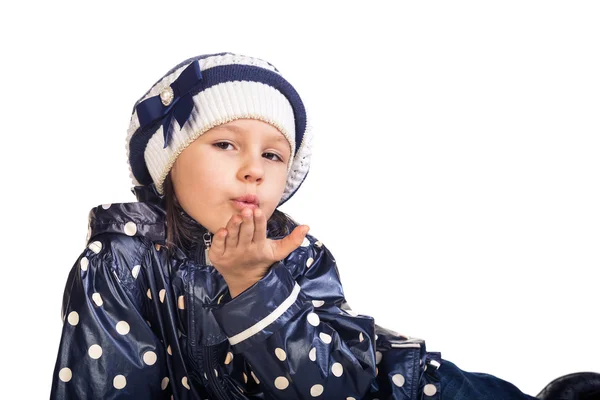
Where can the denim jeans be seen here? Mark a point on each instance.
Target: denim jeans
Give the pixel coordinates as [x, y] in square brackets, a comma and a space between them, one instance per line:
[456, 384]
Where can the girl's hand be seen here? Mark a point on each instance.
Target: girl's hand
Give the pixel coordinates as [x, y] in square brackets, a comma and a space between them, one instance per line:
[242, 253]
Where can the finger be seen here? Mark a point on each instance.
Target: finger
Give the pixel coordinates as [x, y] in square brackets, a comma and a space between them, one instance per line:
[247, 228]
[260, 227]
[218, 242]
[283, 247]
[233, 232]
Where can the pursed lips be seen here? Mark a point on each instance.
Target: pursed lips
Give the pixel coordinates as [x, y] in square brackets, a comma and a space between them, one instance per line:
[246, 201]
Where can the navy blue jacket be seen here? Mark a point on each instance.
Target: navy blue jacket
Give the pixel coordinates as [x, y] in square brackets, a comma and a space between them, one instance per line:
[140, 323]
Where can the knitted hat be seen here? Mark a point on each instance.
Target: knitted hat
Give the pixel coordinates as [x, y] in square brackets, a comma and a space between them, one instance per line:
[209, 90]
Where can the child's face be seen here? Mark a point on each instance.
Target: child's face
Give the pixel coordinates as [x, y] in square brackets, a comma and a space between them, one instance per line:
[209, 174]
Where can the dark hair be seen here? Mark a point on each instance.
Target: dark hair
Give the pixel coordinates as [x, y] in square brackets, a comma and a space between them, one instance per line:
[183, 230]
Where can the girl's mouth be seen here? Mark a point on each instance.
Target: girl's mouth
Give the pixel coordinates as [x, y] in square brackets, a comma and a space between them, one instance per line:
[240, 205]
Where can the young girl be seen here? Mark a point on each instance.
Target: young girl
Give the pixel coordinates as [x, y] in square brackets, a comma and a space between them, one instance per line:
[203, 289]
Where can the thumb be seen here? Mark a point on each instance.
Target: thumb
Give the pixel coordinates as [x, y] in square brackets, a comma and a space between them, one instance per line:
[291, 242]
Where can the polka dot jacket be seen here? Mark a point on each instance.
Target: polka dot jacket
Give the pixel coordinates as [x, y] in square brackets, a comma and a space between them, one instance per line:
[140, 324]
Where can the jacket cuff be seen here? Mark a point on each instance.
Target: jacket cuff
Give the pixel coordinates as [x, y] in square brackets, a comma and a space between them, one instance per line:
[260, 310]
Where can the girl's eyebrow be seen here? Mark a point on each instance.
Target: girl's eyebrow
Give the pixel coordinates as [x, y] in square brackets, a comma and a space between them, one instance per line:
[237, 131]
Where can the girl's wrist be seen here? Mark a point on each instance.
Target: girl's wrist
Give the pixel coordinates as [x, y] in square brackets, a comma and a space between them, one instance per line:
[237, 289]
[238, 284]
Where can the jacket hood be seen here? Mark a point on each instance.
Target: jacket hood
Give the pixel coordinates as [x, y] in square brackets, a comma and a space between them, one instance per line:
[146, 217]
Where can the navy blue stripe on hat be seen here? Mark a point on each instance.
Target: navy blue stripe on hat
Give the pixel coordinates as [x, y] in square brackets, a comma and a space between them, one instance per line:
[189, 61]
[211, 77]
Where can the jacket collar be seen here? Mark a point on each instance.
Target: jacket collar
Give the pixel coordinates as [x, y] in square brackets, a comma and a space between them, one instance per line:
[146, 217]
[136, 218]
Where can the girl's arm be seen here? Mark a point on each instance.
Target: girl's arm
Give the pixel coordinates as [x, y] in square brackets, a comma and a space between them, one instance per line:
[107, 349]
[292, 330]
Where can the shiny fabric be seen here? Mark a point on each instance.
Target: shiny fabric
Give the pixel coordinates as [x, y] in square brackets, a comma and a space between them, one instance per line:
[140, 324]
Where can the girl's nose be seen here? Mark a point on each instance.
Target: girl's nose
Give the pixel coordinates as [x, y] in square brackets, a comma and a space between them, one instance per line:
[252, 168]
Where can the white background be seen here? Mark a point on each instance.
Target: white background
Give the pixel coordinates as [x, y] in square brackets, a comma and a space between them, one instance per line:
[455, 172]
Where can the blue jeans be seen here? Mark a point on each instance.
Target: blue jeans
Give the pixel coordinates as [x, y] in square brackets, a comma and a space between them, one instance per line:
[457, 384]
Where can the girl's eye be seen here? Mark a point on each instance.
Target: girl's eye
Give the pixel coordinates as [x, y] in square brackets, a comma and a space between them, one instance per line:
[278, 158]
[222, 148]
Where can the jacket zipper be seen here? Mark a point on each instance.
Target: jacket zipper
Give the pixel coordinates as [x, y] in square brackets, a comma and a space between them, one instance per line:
[215, 385]
[209, 368]
[207, 242]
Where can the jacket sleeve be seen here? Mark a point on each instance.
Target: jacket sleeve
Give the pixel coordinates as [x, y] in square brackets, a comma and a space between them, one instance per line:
[298, 334]
[107, 350]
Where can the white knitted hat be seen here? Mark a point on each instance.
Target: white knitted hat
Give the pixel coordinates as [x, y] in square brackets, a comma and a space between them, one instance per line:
[209, 90]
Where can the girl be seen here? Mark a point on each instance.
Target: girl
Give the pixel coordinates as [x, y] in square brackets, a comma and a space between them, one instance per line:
[203, 289]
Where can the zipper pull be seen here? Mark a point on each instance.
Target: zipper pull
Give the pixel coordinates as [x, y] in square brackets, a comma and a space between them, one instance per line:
[207, 243]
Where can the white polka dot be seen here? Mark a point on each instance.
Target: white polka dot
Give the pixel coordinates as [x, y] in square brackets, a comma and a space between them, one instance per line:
[305, 242]
[149, 294]
[220, 297]
[73, 318]
[376, 337]
[95, 351]
[180, 303]
[318, 243]
[65, 374]
[429, 389]
[313, 319]
[228, 358]
[164, 383]
[245, 377]
[398, 380]
[150, 357]
[376, 371]
[316, 390]
[161, 295]
[325, 337]
[360, 337]
[149, 324]
[309, 262]
[318, 303]
[135, 271]
[119, 382]
[106, 206]
[130, 228]
[337, 369]
[169, 350]
[84, 263]
[254, 376]
[216, 373]
[350, 398]
[378, 357]
[122, 327]
[281, 382]
[205, 376]
[96, 247]
[280, 353]
[184, 382]
[312, 354]
[97, 299]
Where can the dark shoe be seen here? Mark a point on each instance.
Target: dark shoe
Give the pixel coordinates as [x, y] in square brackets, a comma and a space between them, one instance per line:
[577, 386]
